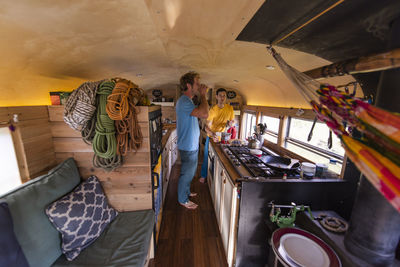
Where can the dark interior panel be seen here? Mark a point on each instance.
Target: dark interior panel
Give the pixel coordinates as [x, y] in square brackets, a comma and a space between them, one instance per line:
[351, 29]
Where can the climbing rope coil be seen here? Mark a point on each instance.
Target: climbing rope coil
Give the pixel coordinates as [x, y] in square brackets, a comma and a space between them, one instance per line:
[106, 114]
[121, 107]
[104, 141]
[81, 105]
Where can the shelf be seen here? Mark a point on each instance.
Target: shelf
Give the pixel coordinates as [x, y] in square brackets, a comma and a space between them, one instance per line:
[165, 104]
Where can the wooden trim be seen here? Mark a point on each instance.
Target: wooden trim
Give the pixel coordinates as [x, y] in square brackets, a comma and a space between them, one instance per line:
[258, 117]
[28, 112]
[282, 130]
[280, 111]
[20, 154]
[376, 62]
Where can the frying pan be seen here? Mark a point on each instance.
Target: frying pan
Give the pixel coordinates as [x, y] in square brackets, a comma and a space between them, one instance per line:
[280, 163]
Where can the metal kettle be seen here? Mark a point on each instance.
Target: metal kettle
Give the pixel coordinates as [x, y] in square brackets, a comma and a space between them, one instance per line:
[254, 143]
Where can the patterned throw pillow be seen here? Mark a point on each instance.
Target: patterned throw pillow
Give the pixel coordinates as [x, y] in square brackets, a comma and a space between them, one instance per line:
[81, 216]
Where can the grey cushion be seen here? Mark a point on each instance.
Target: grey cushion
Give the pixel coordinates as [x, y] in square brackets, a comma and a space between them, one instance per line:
[39, 240]
[124, 242]
[81, 216]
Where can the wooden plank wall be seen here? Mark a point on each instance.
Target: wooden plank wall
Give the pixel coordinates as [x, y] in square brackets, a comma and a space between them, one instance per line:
[128, 187]
[168, 112]
[32, 139]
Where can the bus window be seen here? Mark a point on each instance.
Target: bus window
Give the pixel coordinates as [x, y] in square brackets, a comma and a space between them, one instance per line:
[317, 149]
[272, 128]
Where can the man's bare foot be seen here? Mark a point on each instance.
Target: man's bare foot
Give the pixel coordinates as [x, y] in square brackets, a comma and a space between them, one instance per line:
[202, 180]
[189, 205]
[192, 194]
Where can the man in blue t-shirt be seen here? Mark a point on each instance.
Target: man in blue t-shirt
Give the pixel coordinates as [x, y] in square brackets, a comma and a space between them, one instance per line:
[189, 132]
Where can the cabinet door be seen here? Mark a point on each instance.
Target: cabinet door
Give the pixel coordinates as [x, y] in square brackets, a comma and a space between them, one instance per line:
[174, 151]
[228, 215]
[210, 177]
[169, 162]
[218, 190]
[165, 174]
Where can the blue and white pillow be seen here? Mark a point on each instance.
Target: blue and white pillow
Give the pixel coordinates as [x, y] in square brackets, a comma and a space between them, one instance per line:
[81, 216]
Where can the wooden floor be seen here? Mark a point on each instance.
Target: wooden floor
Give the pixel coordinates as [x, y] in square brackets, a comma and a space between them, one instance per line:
[189, 237]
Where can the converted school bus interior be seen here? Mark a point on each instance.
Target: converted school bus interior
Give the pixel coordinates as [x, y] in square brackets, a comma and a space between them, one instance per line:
[52, 48]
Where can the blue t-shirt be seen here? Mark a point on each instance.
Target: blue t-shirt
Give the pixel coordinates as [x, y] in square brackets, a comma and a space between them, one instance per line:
[187, 126]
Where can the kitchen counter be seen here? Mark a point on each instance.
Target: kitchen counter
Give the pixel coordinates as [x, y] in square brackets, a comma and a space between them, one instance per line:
[170, 128]
[233, 174]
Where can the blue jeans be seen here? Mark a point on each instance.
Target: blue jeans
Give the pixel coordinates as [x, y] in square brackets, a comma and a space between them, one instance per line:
[204, 165]
[188, 170]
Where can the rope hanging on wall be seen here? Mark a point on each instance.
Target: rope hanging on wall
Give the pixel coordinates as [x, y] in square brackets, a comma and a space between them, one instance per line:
[81, 105]
[104, 141]
[121, 107]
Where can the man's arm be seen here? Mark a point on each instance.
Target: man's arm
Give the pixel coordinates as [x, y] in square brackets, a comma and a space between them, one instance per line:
[208, 129]
[202, 110]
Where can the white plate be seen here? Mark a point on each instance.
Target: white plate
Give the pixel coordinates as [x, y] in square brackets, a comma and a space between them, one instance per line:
[303, 251]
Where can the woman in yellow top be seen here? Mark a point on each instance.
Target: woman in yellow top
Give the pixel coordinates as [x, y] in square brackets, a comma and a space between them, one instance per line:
[219, 116]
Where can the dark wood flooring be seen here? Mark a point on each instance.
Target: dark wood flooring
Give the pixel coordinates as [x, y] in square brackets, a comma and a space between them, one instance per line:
[189, 237]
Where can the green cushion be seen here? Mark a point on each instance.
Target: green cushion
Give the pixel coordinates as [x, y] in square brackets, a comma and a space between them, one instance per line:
[125, 242]
[39, 240]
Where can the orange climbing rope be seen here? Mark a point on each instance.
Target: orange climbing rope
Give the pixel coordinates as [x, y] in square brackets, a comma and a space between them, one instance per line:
[121, 107]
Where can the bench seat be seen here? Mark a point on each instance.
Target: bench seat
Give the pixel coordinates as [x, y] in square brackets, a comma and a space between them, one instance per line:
[124, 243]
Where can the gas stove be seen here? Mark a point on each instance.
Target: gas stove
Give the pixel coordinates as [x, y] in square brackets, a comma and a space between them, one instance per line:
[252, 167]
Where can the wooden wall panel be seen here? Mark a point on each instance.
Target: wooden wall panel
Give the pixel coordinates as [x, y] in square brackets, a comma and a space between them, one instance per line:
[130, 202]
[168, 112]
[75, 144]
[56, 113]
[61, 129]
[127, 187]
[32, 139]
[85, 159]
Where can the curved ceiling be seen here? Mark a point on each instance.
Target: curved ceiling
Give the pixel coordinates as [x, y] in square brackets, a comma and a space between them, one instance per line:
[55, 46]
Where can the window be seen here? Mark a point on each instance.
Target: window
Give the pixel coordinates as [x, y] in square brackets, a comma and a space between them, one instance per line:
[272, 128]
[10, 177]
[249, 123]
[317, 149]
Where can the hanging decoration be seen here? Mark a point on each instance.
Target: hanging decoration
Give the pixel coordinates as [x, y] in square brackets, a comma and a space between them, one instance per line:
[377, 152]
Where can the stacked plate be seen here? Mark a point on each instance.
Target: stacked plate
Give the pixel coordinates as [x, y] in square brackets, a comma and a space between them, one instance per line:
[297, 248]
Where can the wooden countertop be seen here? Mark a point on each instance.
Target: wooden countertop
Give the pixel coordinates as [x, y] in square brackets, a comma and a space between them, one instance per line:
[170, 128]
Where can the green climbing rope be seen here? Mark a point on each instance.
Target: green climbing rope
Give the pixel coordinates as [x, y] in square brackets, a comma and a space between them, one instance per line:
[104, 141]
